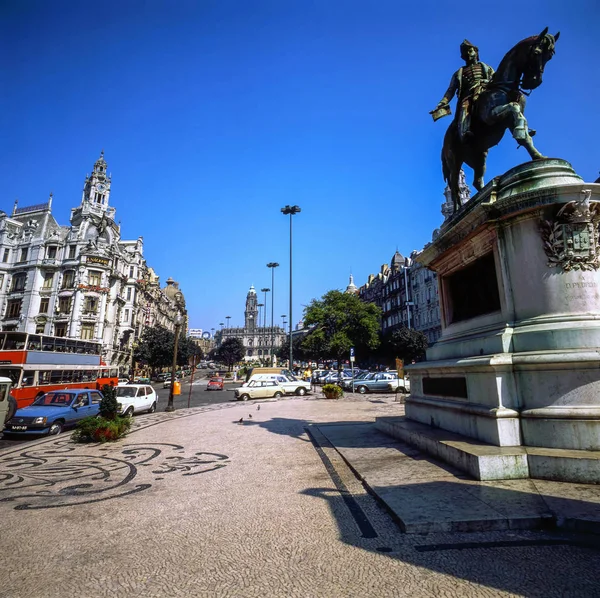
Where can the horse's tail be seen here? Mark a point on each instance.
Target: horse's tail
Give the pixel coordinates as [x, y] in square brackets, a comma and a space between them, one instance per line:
[445, 166]
[447, 156]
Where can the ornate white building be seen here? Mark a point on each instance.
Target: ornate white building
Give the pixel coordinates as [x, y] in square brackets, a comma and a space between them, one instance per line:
[81, 280]
[259, 341]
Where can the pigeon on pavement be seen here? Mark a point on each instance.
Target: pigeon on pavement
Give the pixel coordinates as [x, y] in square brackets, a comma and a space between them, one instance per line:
[241, 420]
[258, 407]
[250, 415]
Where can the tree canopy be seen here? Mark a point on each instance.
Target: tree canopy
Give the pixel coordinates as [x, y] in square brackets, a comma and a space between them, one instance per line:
[340, 321]
[405, 343]
[156, 346]
[230, 352]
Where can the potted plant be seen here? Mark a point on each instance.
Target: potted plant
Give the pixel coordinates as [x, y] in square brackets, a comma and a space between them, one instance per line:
[108, 425]
[332, 391]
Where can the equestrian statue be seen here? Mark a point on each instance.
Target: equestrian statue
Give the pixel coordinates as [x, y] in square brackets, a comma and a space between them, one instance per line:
[489, 103]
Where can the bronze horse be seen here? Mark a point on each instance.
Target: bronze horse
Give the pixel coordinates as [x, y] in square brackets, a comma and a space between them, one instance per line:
[499, 107]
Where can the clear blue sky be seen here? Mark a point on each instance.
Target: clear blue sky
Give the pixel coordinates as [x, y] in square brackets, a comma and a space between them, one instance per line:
[215, 114]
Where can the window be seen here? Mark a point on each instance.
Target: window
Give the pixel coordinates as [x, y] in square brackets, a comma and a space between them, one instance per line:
[40, 328]
[64, 305]
[60, 330]
[51, 252]
[18, 282]
[13, 308]
[96, 397]
[128, 293]
[6, 255]
[44, 304]
[126, 318]
[1, 281]
[72, 249]
[95, 278]
[91, 305]
[68, 279]
[48, 279]
[87, 331]
[24, 253]
[131, 272]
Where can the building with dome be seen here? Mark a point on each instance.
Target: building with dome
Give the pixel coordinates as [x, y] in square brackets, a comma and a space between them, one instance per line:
[260, 341]
[81, 280]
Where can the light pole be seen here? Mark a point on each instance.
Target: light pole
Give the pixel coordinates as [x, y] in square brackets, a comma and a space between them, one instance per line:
[265, 290]
[272, 265]
[291, 210]
[228, 318]
[259, 305]
[178, 322]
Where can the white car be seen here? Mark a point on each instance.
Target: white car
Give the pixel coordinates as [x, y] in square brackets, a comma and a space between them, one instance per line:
[259, 389]
[136, 398]
[290, 384]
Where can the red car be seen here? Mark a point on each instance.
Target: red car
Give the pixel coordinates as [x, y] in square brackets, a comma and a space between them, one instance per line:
[215, 384]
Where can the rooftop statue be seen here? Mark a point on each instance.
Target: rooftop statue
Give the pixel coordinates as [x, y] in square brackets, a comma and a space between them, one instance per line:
[489, 103]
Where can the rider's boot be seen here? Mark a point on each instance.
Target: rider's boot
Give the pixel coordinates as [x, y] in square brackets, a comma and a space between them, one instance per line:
[524, 138]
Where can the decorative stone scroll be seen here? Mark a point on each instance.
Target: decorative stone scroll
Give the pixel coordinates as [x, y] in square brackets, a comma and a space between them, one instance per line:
[571, 240]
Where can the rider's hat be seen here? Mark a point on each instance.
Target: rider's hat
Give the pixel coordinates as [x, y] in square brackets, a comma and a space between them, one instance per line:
[465, 46]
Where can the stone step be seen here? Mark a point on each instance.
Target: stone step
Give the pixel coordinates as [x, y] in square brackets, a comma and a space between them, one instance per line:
[480, 460]
[488, 462]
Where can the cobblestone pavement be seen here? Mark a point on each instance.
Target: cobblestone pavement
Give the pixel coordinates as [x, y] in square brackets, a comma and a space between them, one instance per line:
[194, 503]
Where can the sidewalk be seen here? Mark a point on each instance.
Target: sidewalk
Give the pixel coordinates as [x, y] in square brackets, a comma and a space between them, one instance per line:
[233, 500]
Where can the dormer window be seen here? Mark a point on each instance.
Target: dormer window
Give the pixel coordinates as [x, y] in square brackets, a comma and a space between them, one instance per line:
[51, 252]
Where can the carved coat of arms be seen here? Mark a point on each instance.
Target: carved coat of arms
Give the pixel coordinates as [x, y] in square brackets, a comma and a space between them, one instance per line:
[572, 239]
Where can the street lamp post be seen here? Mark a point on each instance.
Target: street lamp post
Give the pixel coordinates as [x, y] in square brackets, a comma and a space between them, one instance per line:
[178, 322]
[265, 290]
[257, 324]
[291, 210]
[272, 265]
[228, 318]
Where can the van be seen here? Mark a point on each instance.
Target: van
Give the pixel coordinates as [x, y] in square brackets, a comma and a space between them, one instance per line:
[253, 371]
[290, 384]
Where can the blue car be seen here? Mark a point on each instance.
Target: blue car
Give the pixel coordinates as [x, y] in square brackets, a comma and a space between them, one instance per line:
[54, 411]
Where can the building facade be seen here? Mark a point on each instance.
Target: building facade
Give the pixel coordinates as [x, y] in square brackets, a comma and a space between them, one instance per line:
[80, 280]
[260, 342]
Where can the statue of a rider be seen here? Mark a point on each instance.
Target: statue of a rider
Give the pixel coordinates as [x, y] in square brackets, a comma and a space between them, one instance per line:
[467, 83]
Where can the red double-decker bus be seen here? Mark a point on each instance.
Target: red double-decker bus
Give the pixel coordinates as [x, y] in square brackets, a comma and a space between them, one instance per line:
[37, 364]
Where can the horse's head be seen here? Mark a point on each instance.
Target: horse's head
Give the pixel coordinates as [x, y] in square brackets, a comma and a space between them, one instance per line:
[538, 51]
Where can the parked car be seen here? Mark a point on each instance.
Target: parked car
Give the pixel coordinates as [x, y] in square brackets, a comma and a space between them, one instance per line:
[142, 380]
[160, 377]
[290, 384]
[136, 398]
[54, 411]
[215, 383]
[167, 381]
[259, 389]
[400, 385]
[378, 381]
[336, 378]
[319, 375]
[358, 375]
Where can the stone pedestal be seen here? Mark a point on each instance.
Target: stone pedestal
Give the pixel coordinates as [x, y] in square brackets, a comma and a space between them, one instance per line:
[518, 362]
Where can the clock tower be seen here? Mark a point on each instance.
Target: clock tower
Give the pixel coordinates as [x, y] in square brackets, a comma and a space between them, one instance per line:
[96, 190]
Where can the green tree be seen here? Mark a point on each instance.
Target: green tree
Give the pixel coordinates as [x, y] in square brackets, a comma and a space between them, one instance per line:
[109, 406]
[230, 352]
[340, 321]
[405, 343]
[187, 349]
[283, 353]
[155, 348]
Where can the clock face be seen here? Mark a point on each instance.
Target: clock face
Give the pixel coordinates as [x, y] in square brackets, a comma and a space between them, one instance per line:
[100, 187]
